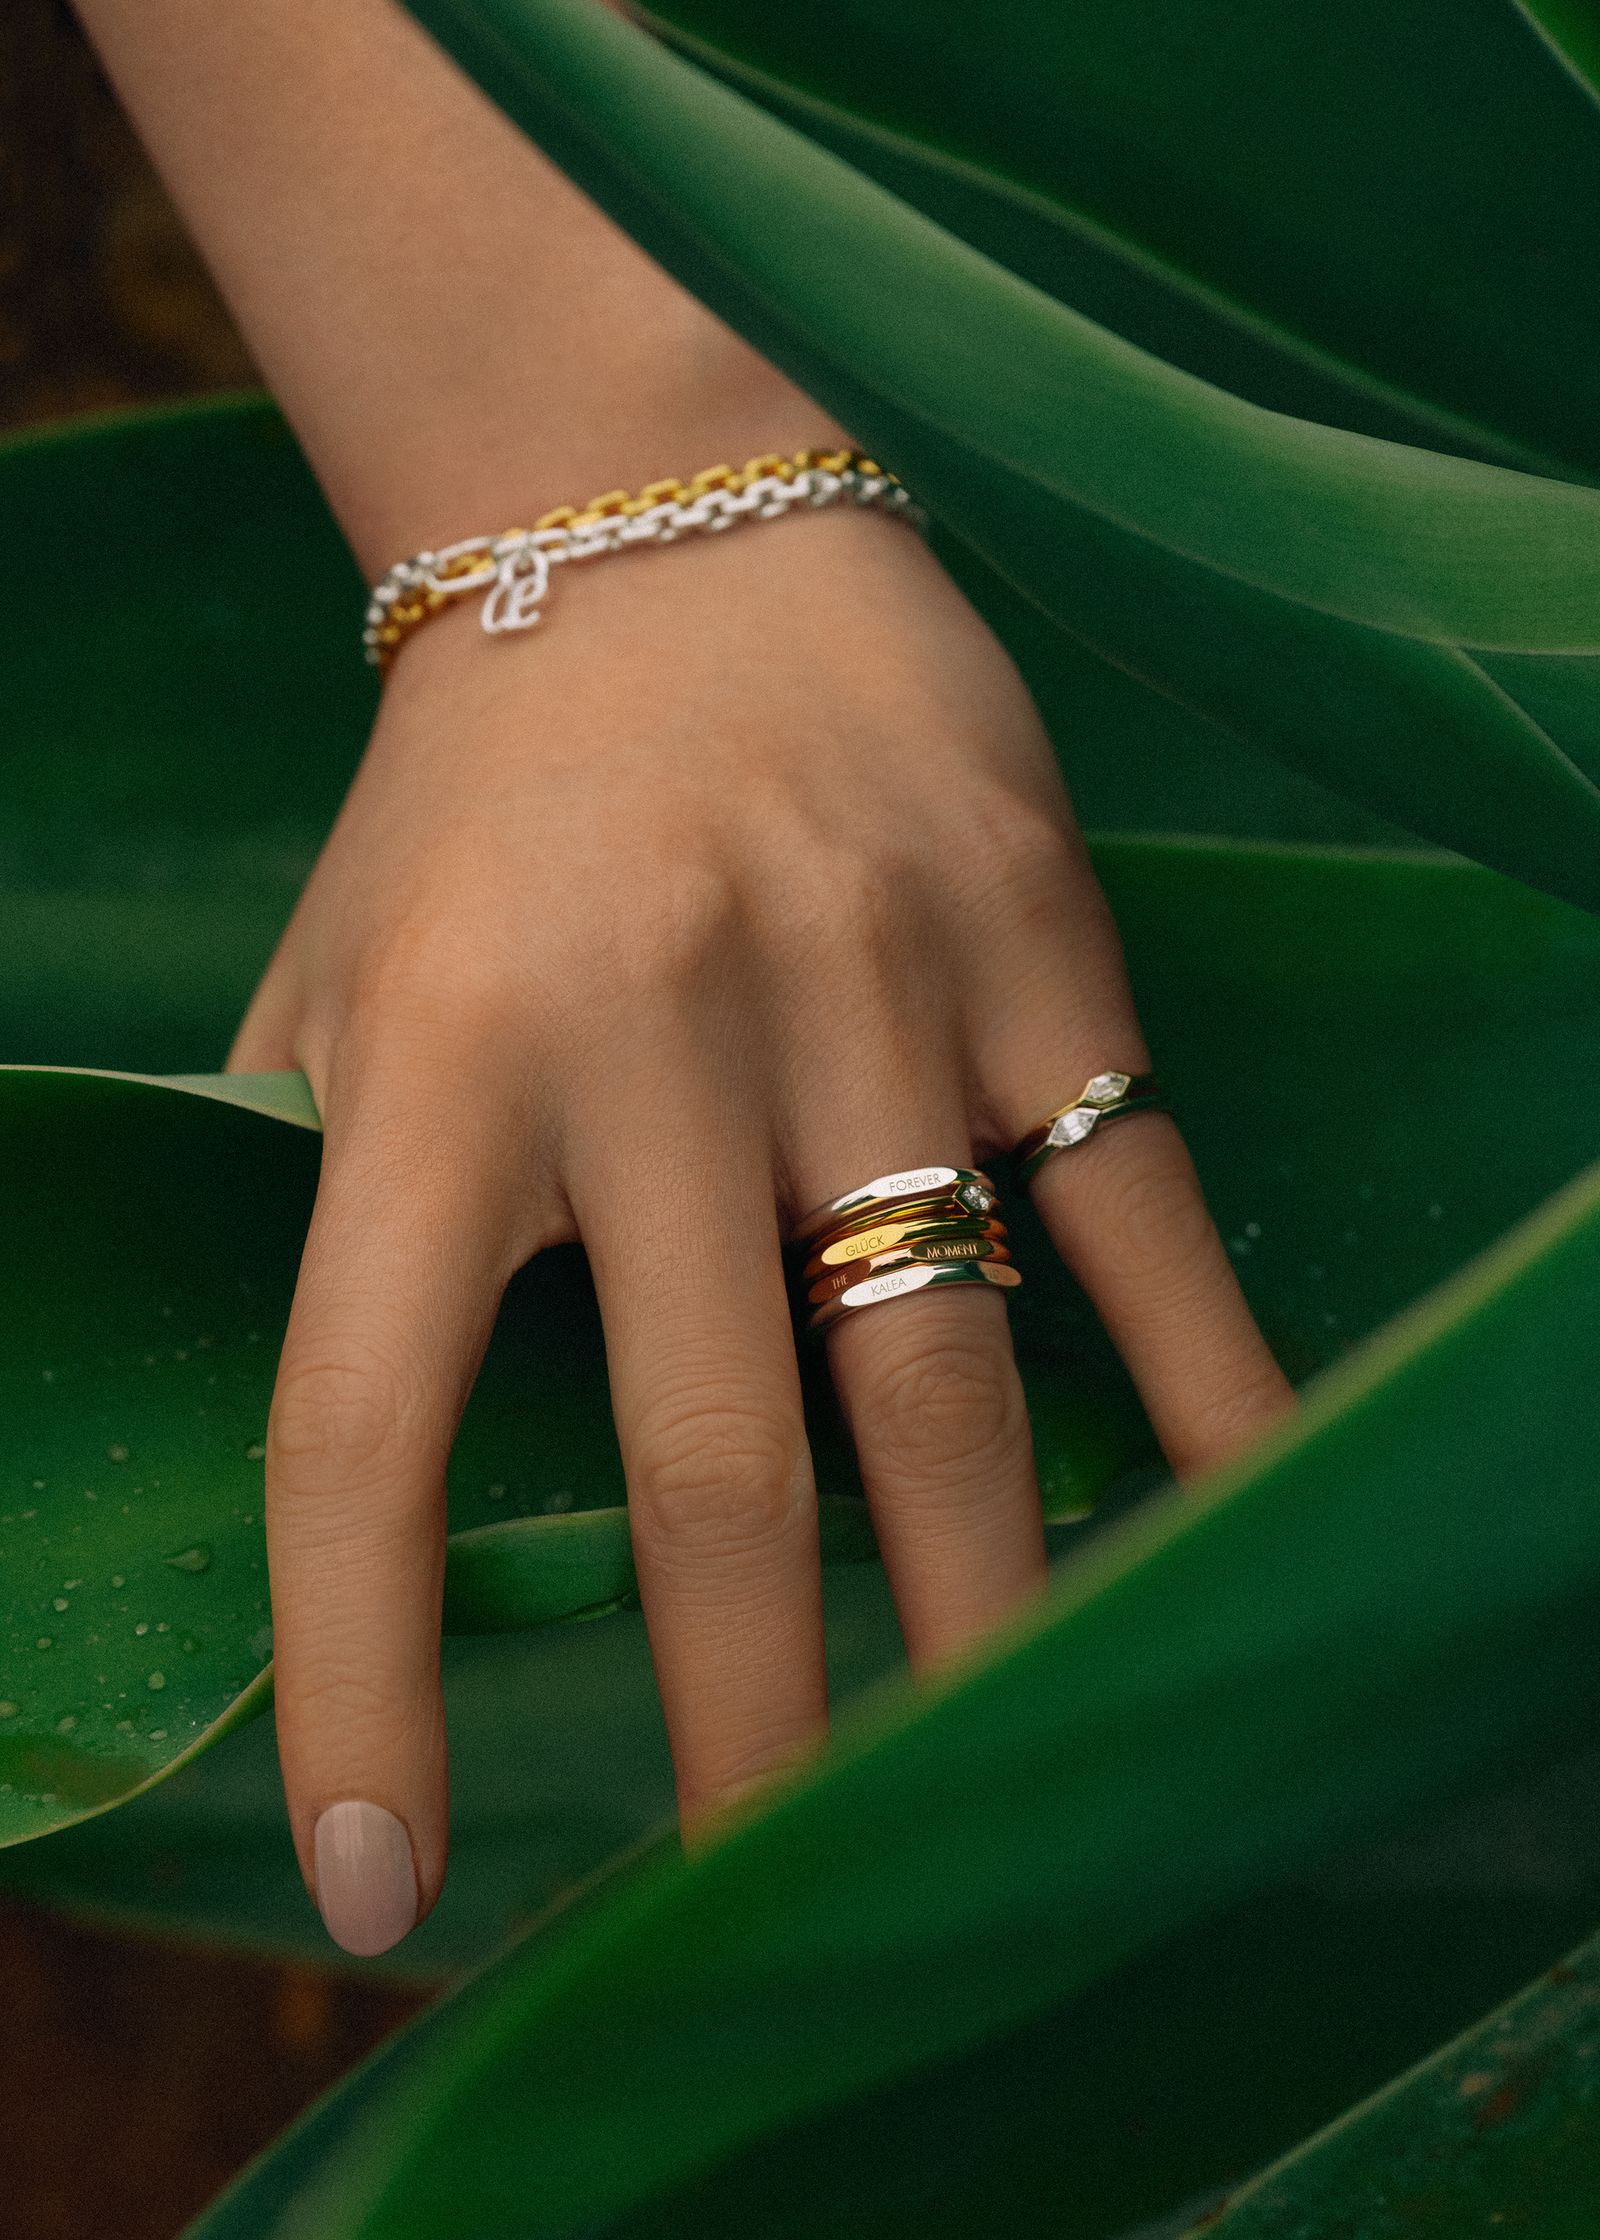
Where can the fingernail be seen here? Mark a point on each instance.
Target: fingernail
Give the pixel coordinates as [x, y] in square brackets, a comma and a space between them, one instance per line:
[366, 1883]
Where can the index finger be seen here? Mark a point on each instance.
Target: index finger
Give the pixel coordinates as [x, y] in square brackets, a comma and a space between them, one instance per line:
[402, 1273]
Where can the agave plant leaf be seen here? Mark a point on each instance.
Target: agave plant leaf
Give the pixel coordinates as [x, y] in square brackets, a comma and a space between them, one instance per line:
[1572, 29]
[1394, 1592]
[1332, 597]
[1280, 231]
[1498, 2128]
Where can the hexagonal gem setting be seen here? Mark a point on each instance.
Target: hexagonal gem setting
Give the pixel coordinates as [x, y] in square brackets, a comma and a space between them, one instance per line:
[1072, 1126]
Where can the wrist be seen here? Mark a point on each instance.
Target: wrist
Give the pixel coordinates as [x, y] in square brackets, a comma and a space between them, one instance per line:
[669, 405]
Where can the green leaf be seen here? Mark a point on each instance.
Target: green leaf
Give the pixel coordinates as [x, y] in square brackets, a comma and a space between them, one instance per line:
[1572, 29]
[1499, 2128]
[1272, 221]
[1318, 592]
[1393, 1594]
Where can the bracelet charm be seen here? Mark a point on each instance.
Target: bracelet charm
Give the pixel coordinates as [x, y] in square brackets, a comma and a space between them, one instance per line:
[512, 571]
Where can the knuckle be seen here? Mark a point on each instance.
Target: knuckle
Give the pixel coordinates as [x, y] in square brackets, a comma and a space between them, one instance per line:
[1025, 842]
[843, 903]
[422, 972]
[677, 931]
[334, 1418]
[716, 1477]
[1035, 852]
[945, 1407]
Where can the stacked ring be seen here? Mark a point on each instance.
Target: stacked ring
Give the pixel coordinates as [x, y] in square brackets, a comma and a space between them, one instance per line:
[898, 1234]
[1108, 1096]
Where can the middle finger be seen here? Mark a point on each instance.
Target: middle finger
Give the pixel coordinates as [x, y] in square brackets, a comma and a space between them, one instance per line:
[705, 1390]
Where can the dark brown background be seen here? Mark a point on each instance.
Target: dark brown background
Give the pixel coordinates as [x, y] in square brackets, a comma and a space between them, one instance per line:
[135, 2077]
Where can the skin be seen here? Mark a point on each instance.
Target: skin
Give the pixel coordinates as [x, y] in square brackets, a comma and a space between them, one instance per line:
[747, 875]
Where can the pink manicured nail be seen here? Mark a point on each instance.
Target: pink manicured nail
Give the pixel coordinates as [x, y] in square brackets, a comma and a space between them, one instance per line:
[366, 1883]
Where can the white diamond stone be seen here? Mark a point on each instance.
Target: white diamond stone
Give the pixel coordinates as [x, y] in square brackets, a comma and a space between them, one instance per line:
[1106, 1088]
[973, 1194]
[1073, 1126]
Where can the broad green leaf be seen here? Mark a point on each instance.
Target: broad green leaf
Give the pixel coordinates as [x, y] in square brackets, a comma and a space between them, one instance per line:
[1145, 2100]
[1395, 1592]
[1498, 2129]
[1336, 217]
[1318, 592]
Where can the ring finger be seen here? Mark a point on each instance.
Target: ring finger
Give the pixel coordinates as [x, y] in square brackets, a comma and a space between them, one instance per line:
[928, 1383]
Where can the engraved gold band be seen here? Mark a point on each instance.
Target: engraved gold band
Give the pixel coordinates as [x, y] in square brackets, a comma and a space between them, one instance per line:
[845, 1245]
[932, 1252]
[1107, 1096]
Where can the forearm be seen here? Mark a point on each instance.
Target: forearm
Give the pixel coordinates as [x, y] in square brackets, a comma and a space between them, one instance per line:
[456, 333]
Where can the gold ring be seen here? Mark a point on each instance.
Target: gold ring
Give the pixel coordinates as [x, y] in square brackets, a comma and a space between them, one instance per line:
[900, 1283]
[1108, 1096]
[933, 1252]
[942, 1220]
[967, 1185]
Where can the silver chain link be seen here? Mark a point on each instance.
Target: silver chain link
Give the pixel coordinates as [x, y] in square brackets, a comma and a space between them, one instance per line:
[514, 578]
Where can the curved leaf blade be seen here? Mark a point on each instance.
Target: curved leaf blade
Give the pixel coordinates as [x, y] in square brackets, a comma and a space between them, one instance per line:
[1499, 2126]
[1352, 234]
[1572, 30]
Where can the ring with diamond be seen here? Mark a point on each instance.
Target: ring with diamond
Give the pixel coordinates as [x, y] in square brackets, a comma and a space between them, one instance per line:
[962, 1187]
[899, 1283]
[1108, 1096]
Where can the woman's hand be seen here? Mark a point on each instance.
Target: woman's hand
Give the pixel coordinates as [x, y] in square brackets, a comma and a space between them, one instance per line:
[746, 876]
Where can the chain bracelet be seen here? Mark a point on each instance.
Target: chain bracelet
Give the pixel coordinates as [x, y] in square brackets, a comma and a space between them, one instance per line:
[512, 570]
